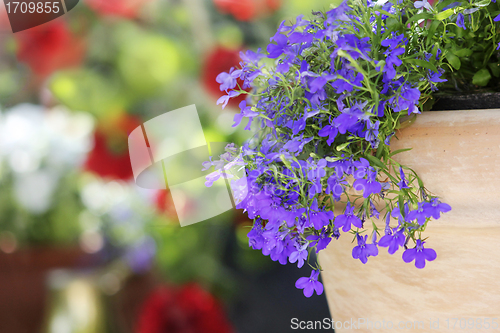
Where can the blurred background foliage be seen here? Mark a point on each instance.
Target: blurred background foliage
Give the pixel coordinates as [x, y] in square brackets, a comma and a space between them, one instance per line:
[71, 91]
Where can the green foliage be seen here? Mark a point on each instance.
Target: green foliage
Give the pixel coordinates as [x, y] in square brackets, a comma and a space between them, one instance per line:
[471, 53]
[58, 225]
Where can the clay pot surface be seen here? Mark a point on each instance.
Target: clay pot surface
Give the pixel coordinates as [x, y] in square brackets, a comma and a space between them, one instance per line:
[457, 155]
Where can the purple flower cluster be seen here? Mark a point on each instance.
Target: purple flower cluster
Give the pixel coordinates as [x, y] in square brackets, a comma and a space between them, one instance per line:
[324, 116]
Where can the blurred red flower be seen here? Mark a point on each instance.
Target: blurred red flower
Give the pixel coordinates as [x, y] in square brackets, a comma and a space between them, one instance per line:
[110, 157]
[247, 10]
[4, 20]
[189, 309]
[221, 60]
[165, 204]
[124, 8]
[49, 47]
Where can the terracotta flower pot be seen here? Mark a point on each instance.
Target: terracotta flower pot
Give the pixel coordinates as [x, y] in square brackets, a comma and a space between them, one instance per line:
[456, 153]
[23, 285]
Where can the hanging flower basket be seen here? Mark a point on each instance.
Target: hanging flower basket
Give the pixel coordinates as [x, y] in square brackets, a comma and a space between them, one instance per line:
[341, 164]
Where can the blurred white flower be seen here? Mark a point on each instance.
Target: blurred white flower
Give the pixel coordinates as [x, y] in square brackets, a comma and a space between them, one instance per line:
[23, 142]
[34, 190]
[32, 136]
[40, 145]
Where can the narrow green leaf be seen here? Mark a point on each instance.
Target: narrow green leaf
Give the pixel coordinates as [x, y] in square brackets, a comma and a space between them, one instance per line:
[395, 192]
[421, 16]
[376, 162]
[399, 151]
[431, 32]
[381, 11]
[401, 205]
[381, 149]
[420, 182]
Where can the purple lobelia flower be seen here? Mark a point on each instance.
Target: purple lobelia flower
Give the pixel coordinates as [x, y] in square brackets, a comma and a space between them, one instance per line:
[274, 243]
[402, 184]
[251, 57]
[330, 131]
[435, 207]
[460, 21]
[419, 254]
[275, 50]
[420, 214]
[255, 238]
[371, 134]
[227, 80]
[299, 255]
[396, 212]
[225, 99]
[315, 174]
[354, 46]
[346, 79]
[387, 140]
[310, 284]
[337, 14]
[423, 4]
[393, 240]
[369, 185]
[318, 83]
[362, 251]
[406, 100]
[343, 166]
[335, 186]
[319, 217]
[395, 48]
[373, 210]
[302, 223]
[297, 126]
[362, 167]
[434, 77]
[288, 249]
[269, 207]
[321, 241]
[291, 214]
[347, 219]
[347, 119]
[297, 144]
[452, 5]
[246, 111]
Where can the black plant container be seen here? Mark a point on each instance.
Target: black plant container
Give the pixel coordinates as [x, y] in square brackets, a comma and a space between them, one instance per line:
[487, 100]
